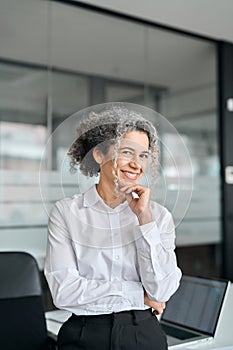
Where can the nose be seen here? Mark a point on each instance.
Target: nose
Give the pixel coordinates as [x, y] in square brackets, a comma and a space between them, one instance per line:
[135, 163]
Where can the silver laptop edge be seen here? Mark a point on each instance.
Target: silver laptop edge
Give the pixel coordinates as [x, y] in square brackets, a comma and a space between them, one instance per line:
[198, 335]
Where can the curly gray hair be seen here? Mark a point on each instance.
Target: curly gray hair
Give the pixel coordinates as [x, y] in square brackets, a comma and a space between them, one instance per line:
[106, 128]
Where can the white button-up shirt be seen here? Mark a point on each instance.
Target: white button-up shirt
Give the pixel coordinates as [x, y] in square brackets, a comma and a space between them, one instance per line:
[100, 260]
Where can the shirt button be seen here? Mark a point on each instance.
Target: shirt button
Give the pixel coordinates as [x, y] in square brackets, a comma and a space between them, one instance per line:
[117, 257]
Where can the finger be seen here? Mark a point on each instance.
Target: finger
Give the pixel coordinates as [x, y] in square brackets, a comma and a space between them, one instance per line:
[130, 197]
[126, 188]
[158, 311]
[136, 189]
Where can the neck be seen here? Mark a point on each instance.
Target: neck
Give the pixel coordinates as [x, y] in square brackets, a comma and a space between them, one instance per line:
[109, 196]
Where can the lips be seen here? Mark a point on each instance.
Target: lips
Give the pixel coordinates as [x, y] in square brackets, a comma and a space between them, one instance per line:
[130, 175]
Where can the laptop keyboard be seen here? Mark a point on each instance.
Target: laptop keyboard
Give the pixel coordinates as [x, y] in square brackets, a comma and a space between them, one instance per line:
[176, 332]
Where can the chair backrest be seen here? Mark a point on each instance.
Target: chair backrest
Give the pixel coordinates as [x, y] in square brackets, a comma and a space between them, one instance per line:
[22, 320]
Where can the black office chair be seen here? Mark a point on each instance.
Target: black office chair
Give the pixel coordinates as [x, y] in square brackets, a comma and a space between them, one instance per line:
[22, 319]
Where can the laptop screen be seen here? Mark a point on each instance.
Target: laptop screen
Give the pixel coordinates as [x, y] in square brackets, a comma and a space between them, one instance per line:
[196, 304]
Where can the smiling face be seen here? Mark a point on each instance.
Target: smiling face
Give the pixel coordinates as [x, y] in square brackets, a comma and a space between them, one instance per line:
[132, 161]
[132, 158]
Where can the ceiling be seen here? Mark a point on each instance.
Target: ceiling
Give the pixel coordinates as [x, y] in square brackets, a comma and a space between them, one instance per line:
[211, 18]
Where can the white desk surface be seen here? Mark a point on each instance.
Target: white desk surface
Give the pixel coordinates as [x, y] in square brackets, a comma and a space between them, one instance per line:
[55, 319]
[222, 341]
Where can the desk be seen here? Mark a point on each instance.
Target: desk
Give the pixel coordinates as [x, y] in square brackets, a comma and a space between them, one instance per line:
[55, 319]
[223, 338]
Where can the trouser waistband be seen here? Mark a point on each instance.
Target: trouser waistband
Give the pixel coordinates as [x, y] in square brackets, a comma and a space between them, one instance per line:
[123, 317]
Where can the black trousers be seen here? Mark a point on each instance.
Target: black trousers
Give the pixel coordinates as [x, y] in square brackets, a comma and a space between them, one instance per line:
[126, 330]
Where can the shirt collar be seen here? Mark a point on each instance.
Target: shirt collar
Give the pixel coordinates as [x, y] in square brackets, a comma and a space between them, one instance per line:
[91, 197]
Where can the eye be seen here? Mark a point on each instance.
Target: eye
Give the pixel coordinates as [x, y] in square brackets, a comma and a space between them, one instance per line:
[127, 152]
[144, 156]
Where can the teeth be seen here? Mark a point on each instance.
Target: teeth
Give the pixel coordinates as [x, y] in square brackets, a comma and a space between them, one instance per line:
[132, 176]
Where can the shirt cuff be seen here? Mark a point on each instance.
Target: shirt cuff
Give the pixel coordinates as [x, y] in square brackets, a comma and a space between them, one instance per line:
[147, 235]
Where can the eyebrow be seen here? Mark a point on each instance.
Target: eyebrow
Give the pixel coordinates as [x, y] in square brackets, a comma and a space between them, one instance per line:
[132, 149]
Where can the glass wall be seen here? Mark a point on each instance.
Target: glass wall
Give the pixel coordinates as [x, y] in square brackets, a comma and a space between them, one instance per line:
[58, 59]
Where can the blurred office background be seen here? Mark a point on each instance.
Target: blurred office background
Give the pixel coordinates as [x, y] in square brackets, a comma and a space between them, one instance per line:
[58, 57]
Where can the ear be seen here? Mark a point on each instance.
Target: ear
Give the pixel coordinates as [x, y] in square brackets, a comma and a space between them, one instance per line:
[98, 155]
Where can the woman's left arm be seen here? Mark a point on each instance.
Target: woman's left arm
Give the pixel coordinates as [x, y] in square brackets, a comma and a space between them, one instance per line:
[158, 268]
[157, 261]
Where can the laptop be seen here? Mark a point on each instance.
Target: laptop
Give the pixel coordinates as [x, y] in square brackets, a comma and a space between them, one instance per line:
[194, 311]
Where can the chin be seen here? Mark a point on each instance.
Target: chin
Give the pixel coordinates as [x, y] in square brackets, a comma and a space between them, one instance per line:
[125, 182]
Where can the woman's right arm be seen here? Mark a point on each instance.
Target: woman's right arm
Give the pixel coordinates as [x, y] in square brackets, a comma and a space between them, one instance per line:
[72, 291]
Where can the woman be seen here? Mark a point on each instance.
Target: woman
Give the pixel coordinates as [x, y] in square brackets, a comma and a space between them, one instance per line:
[110, 255]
